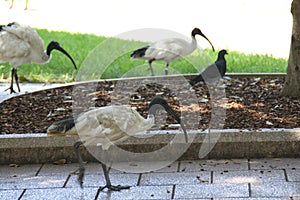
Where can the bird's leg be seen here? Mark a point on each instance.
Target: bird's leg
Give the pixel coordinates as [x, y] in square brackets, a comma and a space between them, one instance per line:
[11, 88]
[150, 67]
[167, 69]
[81, 169]
[12, 4]
[26, 6]
[108, 182]
[17, 80]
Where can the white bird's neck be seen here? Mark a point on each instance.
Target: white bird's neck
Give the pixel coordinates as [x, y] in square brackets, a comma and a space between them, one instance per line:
[46, 58]
[192, 46]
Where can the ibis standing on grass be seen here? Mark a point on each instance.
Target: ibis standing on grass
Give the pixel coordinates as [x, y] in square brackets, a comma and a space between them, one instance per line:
[107, 125]
[213, 72]
[20, 44]
[168, 50]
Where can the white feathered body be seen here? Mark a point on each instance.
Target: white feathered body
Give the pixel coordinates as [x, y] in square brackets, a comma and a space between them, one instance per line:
[170, 49]
[110, 124]
[20, 44]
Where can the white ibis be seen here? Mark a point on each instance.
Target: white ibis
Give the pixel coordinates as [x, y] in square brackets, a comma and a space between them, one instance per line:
[20, 44]
[107, 125]
[168, 50]
[213, 72]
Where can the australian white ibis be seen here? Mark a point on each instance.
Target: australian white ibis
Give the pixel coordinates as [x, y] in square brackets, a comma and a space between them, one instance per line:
[168, 50]
[20, 44]
[108, 125]
[213, 72]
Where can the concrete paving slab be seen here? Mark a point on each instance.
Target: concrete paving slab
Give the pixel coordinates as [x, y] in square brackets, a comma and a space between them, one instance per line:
[173, 167]
[19, 171]
[275, 189]
[211, 191]
[212, 165]
[53, 182]
[139, 192]
[97, 180]
[293, 175]
[10, 194]
[32, 182]
[275, 163]
[51, 169]
[95, 167]
[142, 167]
[270, 198]
[249, 176]
[60, 193]
[175, 178]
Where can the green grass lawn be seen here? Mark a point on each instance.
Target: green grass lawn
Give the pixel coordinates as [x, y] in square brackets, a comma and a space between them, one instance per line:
[100, 57]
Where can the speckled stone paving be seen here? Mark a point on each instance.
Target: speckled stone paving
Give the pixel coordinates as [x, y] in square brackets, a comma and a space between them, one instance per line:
[234, 179]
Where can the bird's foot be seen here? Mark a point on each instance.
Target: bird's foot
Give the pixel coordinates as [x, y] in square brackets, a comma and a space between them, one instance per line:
[11, 89]
[80, 173]
[115, 187]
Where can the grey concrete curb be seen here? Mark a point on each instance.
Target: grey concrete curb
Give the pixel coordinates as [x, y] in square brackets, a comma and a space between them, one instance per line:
[231, 143]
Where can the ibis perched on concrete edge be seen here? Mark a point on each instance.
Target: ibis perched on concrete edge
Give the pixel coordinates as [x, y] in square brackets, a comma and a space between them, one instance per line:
[168, 50]
[213, 72]
[20, 44]
[108, 125]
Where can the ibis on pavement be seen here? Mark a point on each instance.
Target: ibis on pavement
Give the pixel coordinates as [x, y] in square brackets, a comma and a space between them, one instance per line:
[108, 125]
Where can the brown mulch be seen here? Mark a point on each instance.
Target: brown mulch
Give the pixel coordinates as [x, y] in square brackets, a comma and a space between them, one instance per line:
[251, 103]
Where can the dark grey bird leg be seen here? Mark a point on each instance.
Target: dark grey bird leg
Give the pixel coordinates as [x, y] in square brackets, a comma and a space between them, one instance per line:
[81, 169]
[167, 69]
[150, 67]
[108, 182]
[17, 80]
[11, 88]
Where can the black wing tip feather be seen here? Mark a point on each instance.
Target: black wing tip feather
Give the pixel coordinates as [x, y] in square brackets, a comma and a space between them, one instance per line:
[61, 126]
[139, 53]
[9, 24]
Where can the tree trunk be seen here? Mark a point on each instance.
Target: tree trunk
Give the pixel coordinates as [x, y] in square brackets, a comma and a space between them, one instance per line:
[292, 80]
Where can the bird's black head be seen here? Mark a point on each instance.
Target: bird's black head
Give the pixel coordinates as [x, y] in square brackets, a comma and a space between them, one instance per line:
[158, 103]
[222, 53]
[55, 45]
[197, 31]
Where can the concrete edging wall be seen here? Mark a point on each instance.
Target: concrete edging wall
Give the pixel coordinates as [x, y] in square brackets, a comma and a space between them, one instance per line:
[232, 143]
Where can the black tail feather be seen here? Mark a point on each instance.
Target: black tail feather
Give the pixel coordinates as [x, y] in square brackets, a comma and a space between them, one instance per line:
[196, 79]
[139, 53]
[10, 24]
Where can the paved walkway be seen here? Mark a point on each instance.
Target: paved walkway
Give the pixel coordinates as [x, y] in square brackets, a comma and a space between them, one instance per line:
[206, 179]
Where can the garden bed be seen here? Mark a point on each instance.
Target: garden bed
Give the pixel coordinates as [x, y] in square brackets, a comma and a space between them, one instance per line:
[252, 102]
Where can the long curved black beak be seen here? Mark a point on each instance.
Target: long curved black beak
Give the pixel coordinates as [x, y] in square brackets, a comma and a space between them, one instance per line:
[163, 103]
[208, 41]
[55, 45]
